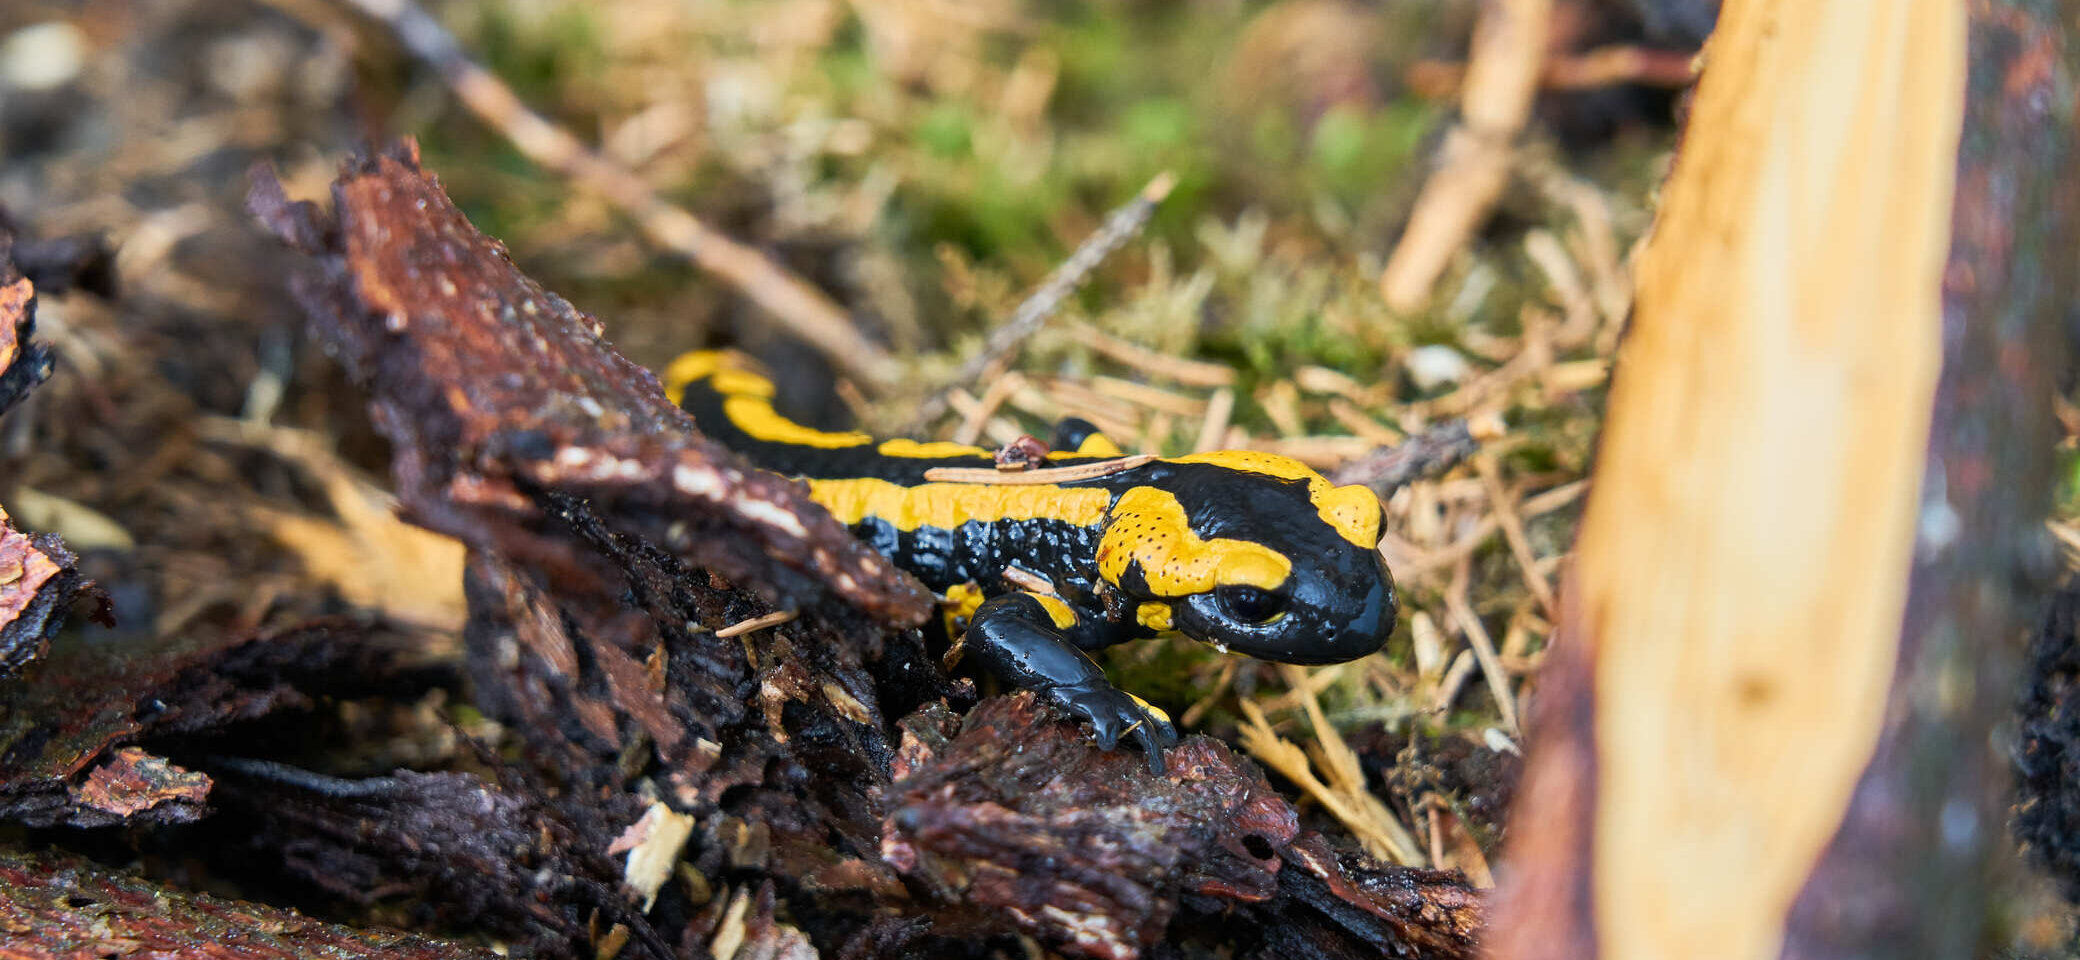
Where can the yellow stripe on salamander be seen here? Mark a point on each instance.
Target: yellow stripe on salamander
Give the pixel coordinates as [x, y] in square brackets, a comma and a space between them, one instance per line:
[1150, 526]
[688, 367]
[935, 450]
[1352, 511]
[747, 400]
[945, 506]
[1155, 616]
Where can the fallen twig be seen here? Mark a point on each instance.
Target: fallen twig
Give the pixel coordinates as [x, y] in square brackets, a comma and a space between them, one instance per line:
[1119, 227]
[801, 308]
[1501, 78]
[1589, 70]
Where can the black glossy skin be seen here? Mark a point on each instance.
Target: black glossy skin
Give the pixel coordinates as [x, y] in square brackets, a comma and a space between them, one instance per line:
[1336, 604]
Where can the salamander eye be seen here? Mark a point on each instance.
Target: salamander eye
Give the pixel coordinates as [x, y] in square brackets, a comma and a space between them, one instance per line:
[1250, 604]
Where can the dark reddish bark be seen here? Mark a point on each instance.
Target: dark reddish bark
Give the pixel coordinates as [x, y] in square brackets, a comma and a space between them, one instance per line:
[61, 721]
[1016, 816]
[495, 391]
[55, 907]
[38, 584]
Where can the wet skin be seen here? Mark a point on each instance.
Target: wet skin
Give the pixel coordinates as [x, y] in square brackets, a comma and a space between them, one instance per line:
[1250, 552]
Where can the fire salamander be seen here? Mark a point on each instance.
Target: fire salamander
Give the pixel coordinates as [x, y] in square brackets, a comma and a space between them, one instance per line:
[1250, 552]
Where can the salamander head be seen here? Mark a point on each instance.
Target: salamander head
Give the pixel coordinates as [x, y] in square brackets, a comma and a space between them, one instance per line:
[1255, 554]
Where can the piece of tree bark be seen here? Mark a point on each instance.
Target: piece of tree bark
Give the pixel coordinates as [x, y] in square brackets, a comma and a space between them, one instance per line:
[62, 723]
[1014, 815]
[1804, 570]
[38, 583]
[54, 907]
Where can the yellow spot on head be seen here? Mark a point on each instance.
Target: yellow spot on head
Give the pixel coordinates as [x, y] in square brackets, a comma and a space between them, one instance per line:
[1063, 617]
[1353, 511]
[1149, 525]
[1155, 616]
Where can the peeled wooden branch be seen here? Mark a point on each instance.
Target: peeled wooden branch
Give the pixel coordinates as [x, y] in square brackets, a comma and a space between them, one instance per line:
[1804, 570]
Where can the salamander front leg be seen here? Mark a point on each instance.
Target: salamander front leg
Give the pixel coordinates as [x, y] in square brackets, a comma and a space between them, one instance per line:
[1023, 638]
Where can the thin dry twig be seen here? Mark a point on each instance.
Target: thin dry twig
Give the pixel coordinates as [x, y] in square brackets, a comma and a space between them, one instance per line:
[1183, 370]
[1609, 66]
[1509, 45]
[1419, 561]
[1483, 648]
[761, 622]
[801, 308]
[1291, 762]
[1505, 506]
[1120, 226]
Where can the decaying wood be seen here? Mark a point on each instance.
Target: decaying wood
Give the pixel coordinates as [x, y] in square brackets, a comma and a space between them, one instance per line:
[23, 362]
[496, 389]
[65, 723]
[599, 578]
[37, 586]
[53, 906]
[38, 582]
[466, 854]
[1740, 749]
[1015, 816]
[2047, 753]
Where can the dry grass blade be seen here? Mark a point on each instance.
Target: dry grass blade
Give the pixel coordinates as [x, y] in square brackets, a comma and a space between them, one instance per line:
[373, 559]
[1214, 428]
[1291, 762]
[1483, 649]
[1183, 370]
[1509, 46]
[1119, 227]
[798, 306]
[1505, 507]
